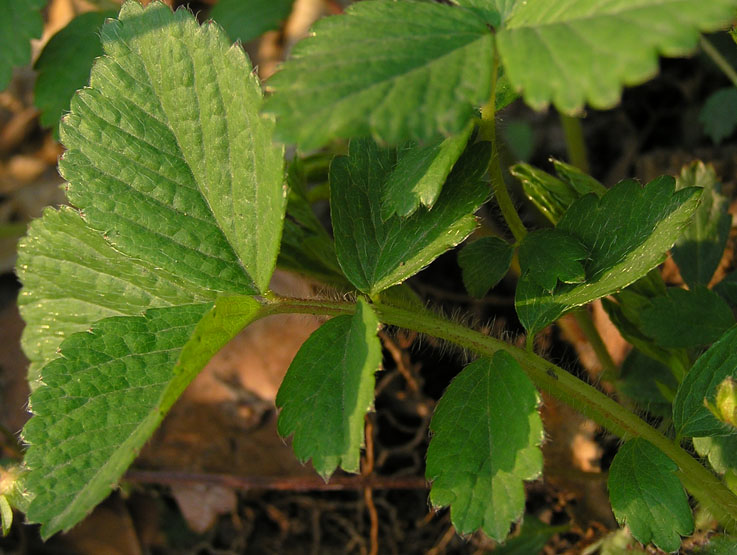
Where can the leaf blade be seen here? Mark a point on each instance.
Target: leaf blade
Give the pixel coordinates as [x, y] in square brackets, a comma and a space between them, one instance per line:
[244, 21]
[21, 23]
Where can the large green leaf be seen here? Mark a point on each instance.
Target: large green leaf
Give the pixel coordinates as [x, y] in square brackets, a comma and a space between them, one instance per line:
[244, 20]
[21, 22]
[701, 246]
[376, 253]
[64, 65]
[485, 443]
[393, 70]
[690, 415]
[106, 395]
[627, 232]
[570, 52]
[647, 496]
[169, 156]
[328, 389]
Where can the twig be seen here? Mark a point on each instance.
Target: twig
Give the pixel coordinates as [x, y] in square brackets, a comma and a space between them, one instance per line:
[368, 495]
[400, 359]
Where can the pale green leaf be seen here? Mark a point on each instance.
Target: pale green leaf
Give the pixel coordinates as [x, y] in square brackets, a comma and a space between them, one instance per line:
[690, 415]
[392, 70]
[687, 318]
[169, 156]
[719, 114]
[107, 393]
[572, 52]
[647, 496]
[375, 253]
[547, 256]
[21, 21]
[720, 450]
[64, 65]
[699, 249]
[328, 389]
[244, 20]
[627, 232]
[6, 514]
[420, 173]
[719, 545]
[485, 443]
[484, 263]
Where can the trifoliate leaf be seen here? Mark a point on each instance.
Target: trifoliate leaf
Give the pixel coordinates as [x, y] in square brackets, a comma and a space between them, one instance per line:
[392, 70]
[687, 318]
[64, 65]
[328, 389]
[484, 263]
[547, 256]
[375, 253]
[691, 417]
[647, 496]
[571, 52]
[626, 232]
[107, 393]
[720, 450]
[420, 173]
[244, 20]
[21, 22]
[699, 249]
[169, 156]
[719, 114]
[485, 443]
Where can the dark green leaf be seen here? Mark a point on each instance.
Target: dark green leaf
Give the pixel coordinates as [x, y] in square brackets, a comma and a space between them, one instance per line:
[644, 380]
[719, 114]
[375, 253]
[486, 438]
[418, 70]
[699, 250]
[484, 263]
[520, 138]
[244, 20]
[687, 318]
[21, 21]
[647, 496]
[531, 539]
[727, 289]
[328, 389]
[547, 256]
[691, 418]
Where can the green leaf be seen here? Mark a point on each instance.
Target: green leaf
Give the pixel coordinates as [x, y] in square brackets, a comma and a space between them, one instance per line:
[547, 256]
[375, 253]
[691, 417]
[720, 450]
[244, 20]
[575, 51]
[644, 380]
[719, 114]
[106, 395]
[21, 22]
[647, 496]
[687, 318]
[169, 156]
[699, 249]
[626, 232]
[484, 263]
[328, 389]
[64, 65]
[727, 288]
[420, 173]
[485, 443]
[6, 515]
[392, 70]
[532, 538]
[719, 545]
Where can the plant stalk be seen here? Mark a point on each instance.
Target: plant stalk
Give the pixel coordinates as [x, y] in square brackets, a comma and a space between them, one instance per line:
[700, 482]
[575, 144]
[719, 60]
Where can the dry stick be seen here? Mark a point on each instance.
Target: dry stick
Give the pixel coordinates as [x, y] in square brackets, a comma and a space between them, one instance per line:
[368, 495]
[399, 359]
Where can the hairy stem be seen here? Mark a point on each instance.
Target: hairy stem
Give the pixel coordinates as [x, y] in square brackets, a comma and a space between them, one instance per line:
[700, 482]
[719, 60]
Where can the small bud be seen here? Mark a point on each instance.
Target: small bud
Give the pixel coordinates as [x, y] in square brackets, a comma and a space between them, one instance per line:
[725, 403]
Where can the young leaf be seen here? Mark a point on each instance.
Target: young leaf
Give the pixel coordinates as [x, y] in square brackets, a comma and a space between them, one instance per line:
[626, 232]
[20, 23]
[392, 70]
[719, 114]
[106, 395]
[375, 253]
[699, 249]
[691, 417]
[485, 443]
[720, 450]
[420, 173]
[647, 496]
[328, 389]
[484, 263]
[547, 256]
[64, 65]
[575, 51]
[169, 156]
[687, 318]
[244, 20]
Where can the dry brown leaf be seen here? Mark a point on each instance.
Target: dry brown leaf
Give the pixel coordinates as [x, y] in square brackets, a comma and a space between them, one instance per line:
[201, 504]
